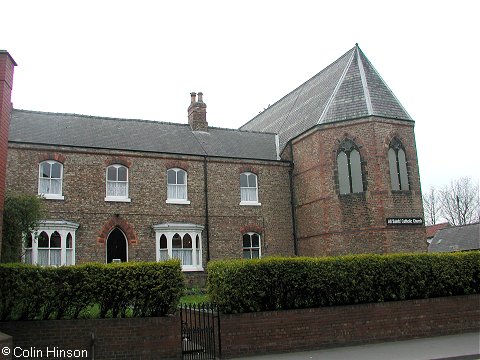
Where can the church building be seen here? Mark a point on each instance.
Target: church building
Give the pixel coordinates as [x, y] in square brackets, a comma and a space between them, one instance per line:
[329, 169]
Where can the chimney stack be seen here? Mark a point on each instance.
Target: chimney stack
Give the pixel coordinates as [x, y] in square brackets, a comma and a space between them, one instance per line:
[7, 65]
[197, 113]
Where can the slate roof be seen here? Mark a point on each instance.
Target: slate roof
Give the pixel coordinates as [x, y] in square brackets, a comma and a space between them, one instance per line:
[456, 238]
[33, 127]
[349, 88]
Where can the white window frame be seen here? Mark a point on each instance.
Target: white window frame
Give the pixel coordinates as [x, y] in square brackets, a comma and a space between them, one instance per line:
[250, 248]
[122, 198]
[50, 196]
[242, 188]
[169, 230]
[173, 200]
[49, 227]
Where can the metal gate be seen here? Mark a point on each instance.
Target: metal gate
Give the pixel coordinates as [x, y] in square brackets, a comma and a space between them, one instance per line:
[200, 332]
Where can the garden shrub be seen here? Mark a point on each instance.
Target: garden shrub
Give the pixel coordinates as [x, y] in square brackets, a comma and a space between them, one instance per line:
[290, 283]
[140, 289]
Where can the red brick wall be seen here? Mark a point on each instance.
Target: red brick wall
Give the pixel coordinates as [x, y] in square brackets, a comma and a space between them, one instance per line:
[332, 224]
[84, 192]
[257, 333]
[6, 83]
[307, 329]
[134, 338]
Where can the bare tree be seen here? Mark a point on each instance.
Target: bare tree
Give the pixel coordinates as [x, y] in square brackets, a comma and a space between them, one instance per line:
[460, 202]
[431, 206]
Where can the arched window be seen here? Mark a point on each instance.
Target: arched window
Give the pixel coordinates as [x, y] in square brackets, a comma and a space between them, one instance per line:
[180, 241]
[177, 186]
[349, 167]
[50, 179]
[248, 189]
[117, 183]
[251, 246]
[52, 244]
[398, 166]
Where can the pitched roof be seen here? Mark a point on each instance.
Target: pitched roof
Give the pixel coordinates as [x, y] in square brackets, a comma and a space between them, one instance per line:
[349, 88]
[433, 229]
[35, 127]
[456, 238]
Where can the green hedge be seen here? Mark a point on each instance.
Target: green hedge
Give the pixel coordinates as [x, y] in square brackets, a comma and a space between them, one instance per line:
[289, 283]
[139, 289]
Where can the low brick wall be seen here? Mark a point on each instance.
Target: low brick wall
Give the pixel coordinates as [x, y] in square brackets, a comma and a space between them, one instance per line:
[306, 329]
[251, 333]
[134, 338]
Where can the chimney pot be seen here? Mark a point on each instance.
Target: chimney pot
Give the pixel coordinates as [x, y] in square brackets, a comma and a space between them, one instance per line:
[193, 96]
[200, 97]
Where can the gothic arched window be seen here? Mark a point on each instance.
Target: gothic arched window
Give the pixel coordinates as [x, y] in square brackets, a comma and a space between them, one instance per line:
[398, 166]
[349, 167]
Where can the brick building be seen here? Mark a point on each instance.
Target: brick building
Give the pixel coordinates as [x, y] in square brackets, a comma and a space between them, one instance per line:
[331, 168]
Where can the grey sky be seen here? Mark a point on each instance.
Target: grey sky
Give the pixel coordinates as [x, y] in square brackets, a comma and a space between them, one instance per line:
[141, 59]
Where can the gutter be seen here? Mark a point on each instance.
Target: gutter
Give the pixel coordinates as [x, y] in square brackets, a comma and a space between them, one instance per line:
[292, 202]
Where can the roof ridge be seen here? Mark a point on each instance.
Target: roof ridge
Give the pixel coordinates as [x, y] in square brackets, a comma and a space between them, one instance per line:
[99, 117]
[337, 86]
[298, 87]
[384, 83]
[363, 77]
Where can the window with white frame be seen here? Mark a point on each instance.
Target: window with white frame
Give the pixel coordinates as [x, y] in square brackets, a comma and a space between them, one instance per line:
[177, 186]
[180, 241]
[248, 189]
[251, 246]
[52, 244]
[398, 166]
[117, 183]
[50, 179]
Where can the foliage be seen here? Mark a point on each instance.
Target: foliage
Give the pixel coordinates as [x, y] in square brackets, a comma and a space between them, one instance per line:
[289, 283]
[458, 203]
[20, 216]
[142, 289]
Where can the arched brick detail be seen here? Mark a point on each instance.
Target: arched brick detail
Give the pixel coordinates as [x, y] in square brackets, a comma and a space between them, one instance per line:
[52, 156]
[116, 222]
[177, 164]
[248, 168]
[251, 228]
[122, 160]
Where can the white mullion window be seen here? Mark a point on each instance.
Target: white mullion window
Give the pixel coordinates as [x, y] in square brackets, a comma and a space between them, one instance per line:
[117, 183]
[180, 241]
[52, 244]
[251, 246]
[248, 189]
[177, 186]
[50, 175]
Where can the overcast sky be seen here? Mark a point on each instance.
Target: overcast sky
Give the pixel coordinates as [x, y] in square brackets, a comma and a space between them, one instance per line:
[141, 59]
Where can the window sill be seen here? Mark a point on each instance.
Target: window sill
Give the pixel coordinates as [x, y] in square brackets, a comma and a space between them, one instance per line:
[52, 196]
[188, 268]
[117, 199]
[178, 201]
[250, 203]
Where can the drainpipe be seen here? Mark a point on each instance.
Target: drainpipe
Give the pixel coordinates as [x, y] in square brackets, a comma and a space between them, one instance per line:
[207, 227]
[292, 202]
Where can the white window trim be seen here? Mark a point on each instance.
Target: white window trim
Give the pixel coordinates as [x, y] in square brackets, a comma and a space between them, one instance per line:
[250, 203]
[178, 201]
[250, 233]
[51, 196]
[63, 228]
[126, 198]
[169, 230]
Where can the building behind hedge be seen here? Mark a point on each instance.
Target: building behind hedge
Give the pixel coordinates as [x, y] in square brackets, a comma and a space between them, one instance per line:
[331, 168]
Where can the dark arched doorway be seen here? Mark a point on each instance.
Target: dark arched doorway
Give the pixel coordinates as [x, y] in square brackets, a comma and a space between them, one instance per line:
[116, 246]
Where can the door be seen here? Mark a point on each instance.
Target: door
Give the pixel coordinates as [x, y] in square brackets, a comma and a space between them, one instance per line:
[116, 246]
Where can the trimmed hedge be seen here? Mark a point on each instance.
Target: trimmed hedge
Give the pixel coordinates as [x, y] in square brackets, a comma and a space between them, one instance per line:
[290, 283]
[141, 289]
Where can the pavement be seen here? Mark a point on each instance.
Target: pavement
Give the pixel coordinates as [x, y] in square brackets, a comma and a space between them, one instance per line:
[455, 347]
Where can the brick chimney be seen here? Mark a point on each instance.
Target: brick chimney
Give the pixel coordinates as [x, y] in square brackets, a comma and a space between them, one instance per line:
[197, 113]
[6, 82]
